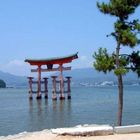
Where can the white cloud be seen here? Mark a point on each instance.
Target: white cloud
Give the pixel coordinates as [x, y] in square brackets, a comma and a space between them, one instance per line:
[16, 67]
[82, 62]
[16, 63]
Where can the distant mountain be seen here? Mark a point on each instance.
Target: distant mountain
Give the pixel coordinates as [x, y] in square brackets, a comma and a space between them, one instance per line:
[87, 73]
[90, 75]
[85, 76]
[12, 80]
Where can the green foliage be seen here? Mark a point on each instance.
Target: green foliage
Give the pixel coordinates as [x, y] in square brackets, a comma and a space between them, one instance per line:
[120, 71]
[135, 62]
[125, 33]
[119, 8]
[2, 84]
[124, 61]
[104, 62]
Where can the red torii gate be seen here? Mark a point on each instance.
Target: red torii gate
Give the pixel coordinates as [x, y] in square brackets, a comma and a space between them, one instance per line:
[49, 63]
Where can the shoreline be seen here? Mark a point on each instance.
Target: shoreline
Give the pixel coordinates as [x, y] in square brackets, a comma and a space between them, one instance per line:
[99, 132]
[50, 136]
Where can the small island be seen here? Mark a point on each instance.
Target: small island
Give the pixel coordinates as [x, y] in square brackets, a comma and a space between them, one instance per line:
[2, 84]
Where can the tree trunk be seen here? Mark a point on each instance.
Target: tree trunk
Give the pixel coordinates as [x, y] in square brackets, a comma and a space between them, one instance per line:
[120, 100]
[120, 87]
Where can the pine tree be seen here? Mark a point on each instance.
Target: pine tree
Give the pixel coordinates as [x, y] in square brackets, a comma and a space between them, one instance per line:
[126, 34]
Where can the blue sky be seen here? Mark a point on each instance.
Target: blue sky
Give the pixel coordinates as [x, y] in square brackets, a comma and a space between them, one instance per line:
[50, 28]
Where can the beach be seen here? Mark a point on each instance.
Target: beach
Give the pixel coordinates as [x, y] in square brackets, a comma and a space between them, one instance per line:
[46, 135]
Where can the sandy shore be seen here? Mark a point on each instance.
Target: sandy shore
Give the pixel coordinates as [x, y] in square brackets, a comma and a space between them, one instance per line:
[46, 135]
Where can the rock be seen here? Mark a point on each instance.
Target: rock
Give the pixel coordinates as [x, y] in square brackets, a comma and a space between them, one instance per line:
[88, 130]
[2, 84]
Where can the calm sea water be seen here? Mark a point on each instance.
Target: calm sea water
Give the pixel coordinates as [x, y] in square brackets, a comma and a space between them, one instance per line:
[89, 105]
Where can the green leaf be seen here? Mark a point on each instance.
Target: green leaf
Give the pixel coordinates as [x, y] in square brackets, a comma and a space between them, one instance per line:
[120, 71]
[103, 61]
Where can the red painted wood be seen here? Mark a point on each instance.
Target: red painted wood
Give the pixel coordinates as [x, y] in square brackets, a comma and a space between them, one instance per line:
[53, 61]
[39, 81]
[50, 63]
[46, 87]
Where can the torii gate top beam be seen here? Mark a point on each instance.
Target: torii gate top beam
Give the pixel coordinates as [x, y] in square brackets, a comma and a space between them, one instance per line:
[50, 61]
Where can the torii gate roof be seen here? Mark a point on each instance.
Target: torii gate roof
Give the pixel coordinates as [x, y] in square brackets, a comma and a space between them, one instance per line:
[54, 60]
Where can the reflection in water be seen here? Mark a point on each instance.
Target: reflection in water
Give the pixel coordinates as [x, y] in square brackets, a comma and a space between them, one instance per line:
[46, 102]
[30, 105]
[54, 105]
[49, 113]
[39, 106]
[61, 105]
[61, 113]
[69, 107]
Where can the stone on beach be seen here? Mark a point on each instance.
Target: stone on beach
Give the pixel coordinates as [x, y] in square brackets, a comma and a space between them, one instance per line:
[85, 130]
